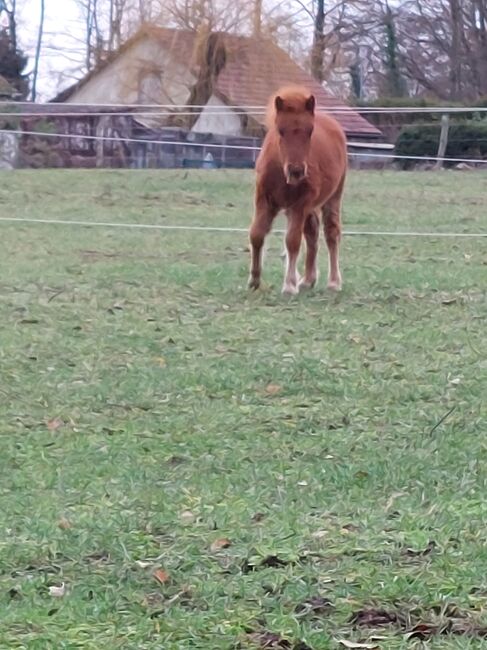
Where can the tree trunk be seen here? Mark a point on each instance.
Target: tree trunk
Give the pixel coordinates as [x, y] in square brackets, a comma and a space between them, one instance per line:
[257, 28]
[455, 54]
[396, 86]
[318, 47]
[12, 21]
[89, 29]
[481, 21]
[38, 51]
[115, 24]
[212, 58]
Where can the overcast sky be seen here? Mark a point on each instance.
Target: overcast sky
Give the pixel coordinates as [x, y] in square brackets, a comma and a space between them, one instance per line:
[62, 48]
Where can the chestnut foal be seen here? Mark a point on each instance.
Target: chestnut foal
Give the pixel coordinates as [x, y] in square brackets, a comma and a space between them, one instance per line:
[301, 169]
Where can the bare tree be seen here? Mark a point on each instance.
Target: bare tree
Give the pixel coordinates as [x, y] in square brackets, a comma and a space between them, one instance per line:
[443, 45]
[318, 48]
[216, 15]
[336, 27]
[12, 59]
[10, 9]
[40, 34]
[257, 28]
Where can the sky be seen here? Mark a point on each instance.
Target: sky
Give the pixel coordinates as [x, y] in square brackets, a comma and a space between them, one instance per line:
[62, 52]
[62, 49]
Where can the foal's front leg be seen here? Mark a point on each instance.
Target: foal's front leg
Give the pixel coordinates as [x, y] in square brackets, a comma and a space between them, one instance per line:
[294, 237]
[259, 228]
[311, 234]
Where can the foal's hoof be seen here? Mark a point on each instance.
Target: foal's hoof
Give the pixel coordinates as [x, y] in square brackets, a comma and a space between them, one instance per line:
[334, 286]
[253, 283]
[305, 285]
[290, 290]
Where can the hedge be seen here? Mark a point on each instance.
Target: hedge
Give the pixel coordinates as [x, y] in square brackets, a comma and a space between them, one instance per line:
[465, 140]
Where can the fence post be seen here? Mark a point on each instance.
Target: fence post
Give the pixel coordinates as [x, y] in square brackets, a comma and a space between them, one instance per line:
[445, 126]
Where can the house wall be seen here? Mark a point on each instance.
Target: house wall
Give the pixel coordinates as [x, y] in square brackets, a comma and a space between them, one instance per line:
[145, 74]
[218, 118]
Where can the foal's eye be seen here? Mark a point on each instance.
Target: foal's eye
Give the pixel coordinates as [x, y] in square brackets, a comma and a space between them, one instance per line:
[281, 132]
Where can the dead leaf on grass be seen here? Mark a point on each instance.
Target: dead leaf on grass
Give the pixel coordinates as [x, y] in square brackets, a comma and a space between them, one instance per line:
[220, 544]
[143, 564]
[269, 641]
[273, 389]
[361, 474]
[374, 618]
[161, 576]
[315, 605]
[64, 524]
[422, 631]
[269, 562]
[358, 644]
[187, 517]
[57, 591]
[54, 424]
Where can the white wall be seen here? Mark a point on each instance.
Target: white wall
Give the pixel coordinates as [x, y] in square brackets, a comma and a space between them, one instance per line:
[119, 82]
[218, 118]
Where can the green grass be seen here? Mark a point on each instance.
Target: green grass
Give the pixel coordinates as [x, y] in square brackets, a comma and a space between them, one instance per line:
[141, 382]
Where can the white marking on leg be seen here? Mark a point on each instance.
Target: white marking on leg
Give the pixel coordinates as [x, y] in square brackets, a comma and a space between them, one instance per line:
[291, 277]
[334, 275]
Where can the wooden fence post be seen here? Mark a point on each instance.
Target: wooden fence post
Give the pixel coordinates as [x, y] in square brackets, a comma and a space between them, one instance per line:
[445, 126]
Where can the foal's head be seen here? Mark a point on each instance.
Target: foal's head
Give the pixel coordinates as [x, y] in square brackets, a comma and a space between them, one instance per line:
[293, 116]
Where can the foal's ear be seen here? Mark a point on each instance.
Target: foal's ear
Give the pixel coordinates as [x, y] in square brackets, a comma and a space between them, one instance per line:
[279, 103]
[310, 104]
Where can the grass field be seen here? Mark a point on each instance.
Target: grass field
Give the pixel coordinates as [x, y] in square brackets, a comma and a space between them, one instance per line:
[204, 467]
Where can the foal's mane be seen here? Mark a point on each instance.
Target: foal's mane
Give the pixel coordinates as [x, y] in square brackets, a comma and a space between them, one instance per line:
[294, 98]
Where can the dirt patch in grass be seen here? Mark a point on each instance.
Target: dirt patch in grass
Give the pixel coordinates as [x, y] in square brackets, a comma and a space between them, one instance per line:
[415, 622]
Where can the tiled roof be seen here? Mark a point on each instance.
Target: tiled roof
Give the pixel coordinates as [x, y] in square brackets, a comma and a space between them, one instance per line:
[255, 68]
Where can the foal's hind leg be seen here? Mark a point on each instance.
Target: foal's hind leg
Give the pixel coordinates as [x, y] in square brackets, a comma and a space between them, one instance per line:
[333, 229]
[259, 228]
[311, 234]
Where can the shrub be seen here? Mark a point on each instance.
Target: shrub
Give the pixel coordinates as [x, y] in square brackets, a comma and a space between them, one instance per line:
[465, 140]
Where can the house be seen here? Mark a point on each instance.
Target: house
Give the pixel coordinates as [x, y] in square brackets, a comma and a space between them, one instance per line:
[156, 76]
[157, 66]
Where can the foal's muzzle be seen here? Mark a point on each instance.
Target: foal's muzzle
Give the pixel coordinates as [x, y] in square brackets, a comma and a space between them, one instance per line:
[295, 173]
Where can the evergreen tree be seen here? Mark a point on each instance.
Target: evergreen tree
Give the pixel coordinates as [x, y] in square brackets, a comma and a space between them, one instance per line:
[13, 63]
[395, 85]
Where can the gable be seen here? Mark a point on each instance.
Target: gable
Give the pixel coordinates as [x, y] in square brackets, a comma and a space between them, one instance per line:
[145, 73]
